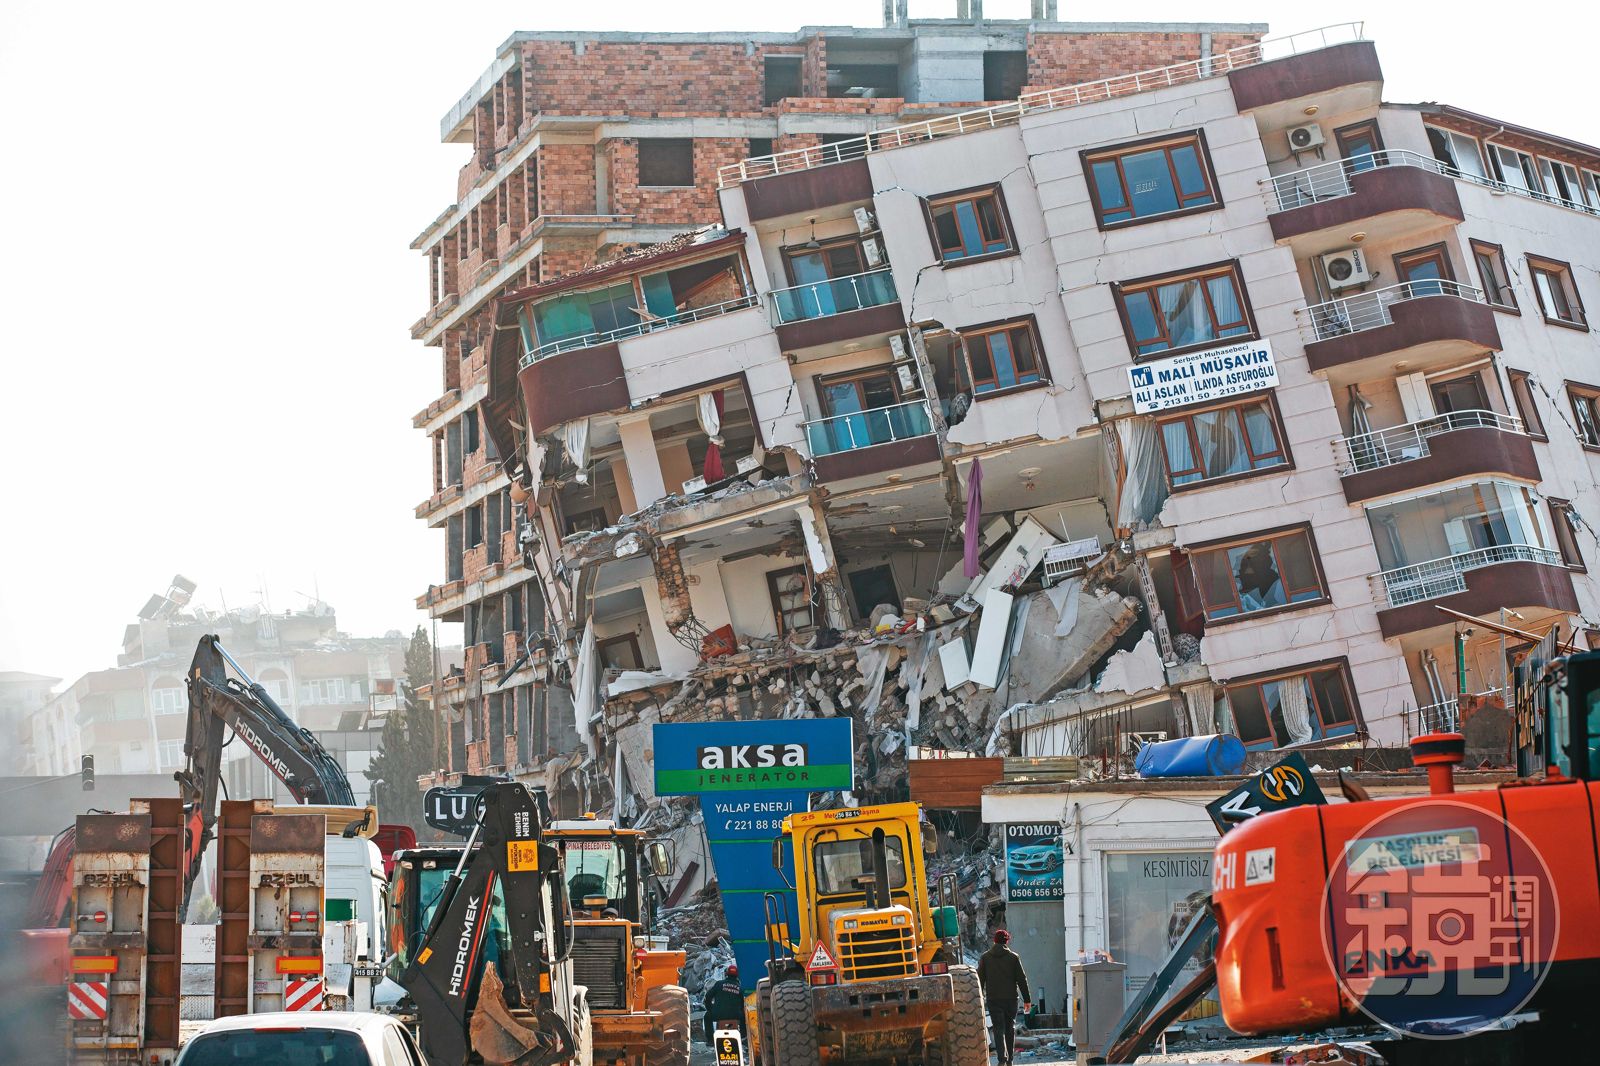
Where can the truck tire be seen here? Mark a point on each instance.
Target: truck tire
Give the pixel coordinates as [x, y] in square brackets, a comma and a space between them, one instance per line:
[673, 1003]
[582, 1034]
[764, 1022]
[794, 1026]
[966, 1035]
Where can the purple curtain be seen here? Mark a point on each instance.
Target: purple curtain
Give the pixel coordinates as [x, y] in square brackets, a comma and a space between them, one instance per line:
[969, 529]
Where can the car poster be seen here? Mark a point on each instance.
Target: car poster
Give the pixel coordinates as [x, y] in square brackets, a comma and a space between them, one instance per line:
[1034, 861]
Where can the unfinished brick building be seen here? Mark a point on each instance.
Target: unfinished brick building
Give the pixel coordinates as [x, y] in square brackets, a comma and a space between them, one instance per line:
[586, 146]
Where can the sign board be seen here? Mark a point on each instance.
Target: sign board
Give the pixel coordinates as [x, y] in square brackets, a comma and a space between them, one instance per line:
[1200, 377]
[1286, 783]
[1034, 863]
[454, 808]
[730, 1047]
[821, 959]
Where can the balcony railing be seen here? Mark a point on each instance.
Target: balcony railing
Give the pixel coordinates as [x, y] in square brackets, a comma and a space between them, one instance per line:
[1328, 181]
[1445, 716]
[1010, 114]
[1369, 310]
[638, 329]
[818, 299]
[1401, 444]
[863, 429]
[1444, 577]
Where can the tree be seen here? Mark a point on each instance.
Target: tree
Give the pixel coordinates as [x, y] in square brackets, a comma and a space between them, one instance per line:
[408, 747]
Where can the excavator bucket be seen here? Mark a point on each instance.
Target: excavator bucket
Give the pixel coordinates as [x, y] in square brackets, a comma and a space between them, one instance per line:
[501, 1035]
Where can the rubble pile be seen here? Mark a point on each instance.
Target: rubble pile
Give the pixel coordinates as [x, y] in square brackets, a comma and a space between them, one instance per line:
[700, 930]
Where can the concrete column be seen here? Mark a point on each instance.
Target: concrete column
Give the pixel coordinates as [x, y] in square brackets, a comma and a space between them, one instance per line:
[824, 565]
[644, 466]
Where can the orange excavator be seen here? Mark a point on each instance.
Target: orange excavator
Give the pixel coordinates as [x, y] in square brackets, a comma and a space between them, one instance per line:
[1447, 914]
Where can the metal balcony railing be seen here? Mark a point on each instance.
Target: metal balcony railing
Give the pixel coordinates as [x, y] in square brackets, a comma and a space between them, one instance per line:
[818, 299]
[863, 429]
[1401, 444]
[1046, 100]
[1369, 310]
[1443, 577]
[1328, 181]
[638, 329]
[1445, 716]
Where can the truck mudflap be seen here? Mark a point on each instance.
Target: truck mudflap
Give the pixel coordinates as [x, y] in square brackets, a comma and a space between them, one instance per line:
[647, 1028]
[882, 1010]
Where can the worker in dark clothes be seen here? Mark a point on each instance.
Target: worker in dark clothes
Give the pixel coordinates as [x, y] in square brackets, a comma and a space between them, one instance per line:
[725, 1003]
[1004, 984]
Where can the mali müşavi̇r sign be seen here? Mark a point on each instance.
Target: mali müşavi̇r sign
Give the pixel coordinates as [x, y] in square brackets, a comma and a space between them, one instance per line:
[1200, 377]
[1034, 862]
[749, 777]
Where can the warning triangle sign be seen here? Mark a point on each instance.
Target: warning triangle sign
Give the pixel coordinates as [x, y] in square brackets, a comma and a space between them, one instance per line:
[821, 960]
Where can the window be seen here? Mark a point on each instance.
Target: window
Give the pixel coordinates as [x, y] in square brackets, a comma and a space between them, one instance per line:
[1004, 75]
[470, 438]
[872, 587]
[620, 652]
[1558, 296]
[1514, 168]
[791, 599]
[846, 865]
[326, 1047]
[168, 697]
[1261, 574]
[834, 259]
[970, 224]
[1457, 150]
[1527, 410]
[780, 78]
[1561, 180]
[1491, 262]
[1565, 523]
[585, 521]
[1132, 183]
[666, 161]
[759, 146]
[169, 755]
[1459, 394]
[322, 690]
[1358, 144]
[1586, 410]
[1178, 313]
[1003, 357]
[1423, 269]
[1294, 708]
[1222, 442]
[581, 313]
[474, 525]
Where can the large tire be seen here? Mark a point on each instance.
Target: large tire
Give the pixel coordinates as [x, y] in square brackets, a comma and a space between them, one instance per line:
[673, 1003]
[794, 1026]
[966, 1035]
[582, 1034]
[764, 1021]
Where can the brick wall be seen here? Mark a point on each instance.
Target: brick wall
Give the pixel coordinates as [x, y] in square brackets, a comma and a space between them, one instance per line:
[655, 79]
[563, 255]
[1057, 59]
[566, 179]
[688, 206]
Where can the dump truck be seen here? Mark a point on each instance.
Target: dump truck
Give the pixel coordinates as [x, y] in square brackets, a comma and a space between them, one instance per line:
[871, 971]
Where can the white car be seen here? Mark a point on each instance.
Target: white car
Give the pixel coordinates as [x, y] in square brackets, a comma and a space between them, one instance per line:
[305, 1038]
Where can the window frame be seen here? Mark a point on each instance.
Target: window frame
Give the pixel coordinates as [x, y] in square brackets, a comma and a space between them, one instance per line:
[1089, 156]
[1565, 534]
[630, 640]
[974, 194]
[1496, 256]
[855, 377]
[1323, 598]
[1437, 252]
[1268, 398]
[1532, 422]
[1589, 396]
[1340, 664]
[1041, 374]
[779, 614]
[1562, 273]
[793, 252]
[642, 184]
[1121, 290]
[1349, 132]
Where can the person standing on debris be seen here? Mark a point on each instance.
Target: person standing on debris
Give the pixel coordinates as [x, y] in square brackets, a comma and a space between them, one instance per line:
[1004, 983]
[724, 1003]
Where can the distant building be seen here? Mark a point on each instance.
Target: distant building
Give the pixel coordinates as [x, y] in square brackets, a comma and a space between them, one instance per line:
[21, 694]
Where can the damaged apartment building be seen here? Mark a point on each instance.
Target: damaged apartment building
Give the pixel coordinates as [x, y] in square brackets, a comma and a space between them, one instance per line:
[694, 527]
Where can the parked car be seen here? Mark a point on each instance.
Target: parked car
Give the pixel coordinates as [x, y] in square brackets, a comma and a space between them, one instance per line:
[306, 1038]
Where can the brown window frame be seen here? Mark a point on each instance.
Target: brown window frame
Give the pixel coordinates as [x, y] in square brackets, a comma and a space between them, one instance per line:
[1566, 281]
[1185, 414]
[1269, 536]
[1089, 157]
[778, 612]
[1341, 665]
[1345, 133]
[967, 334]
[1589, 396]
[793, 252]
[1146, 287]
[974, 195]
[1496, 256]
[1436, 252]
[1436, 394]
[823, 381]
[1565, 534]
[1523, 400]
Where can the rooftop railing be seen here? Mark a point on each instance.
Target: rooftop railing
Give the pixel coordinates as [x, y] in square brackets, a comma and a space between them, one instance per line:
[1401, 444]
[1328, 181]
[637, 329]
[834, 296]
[1369, 310]
[1446, 576]
[864, 429]
[1009, 114]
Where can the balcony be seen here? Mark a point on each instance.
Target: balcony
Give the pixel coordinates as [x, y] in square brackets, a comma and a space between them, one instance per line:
[1347, 73]
[872, 442]
[1477, 582]
[1390, 193]
[637, 329]
[838, 309]
[1420, 323]
[1444, 448]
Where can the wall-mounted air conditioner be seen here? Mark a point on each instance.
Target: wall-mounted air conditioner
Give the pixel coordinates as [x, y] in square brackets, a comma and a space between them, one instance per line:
[897, 346]
[865, 223]
[1346, 269]
[873, 251]
[1304, 138]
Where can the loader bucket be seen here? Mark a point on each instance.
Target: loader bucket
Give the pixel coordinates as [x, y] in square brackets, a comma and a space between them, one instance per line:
[503, 1036]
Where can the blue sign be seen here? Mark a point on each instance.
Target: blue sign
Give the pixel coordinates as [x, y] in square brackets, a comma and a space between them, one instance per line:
[750, 776]
[1034, 863]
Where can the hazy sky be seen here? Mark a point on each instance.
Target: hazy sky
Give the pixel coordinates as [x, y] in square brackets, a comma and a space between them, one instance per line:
[206, 365]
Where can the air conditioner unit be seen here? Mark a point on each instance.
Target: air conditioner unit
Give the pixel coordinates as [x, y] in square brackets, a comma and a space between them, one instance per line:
[694, 485]
[897, 345]
[1304, 138]
[1346, 269]
[873, 252]
[907, 382]
[1132, 742]
[865, 223]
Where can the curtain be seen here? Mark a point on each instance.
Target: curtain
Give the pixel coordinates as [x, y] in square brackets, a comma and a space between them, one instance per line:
[1225, 301]
[710, 411]
[576, 442]
[1144, 484]
[1221, 451]
[1295, 702]
[1184, 311]
[970, 527]
[1202, 710]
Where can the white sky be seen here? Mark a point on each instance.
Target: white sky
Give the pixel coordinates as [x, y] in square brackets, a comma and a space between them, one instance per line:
[206, 364]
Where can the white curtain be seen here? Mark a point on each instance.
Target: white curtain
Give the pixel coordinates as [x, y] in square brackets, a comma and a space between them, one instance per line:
[710, 419]
[586, 687]
[1184, 310]
[1295, 702]
[576, 440]
[1202, 710]
[1144, 485]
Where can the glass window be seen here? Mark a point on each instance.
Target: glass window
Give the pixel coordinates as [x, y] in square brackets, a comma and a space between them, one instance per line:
[1522, 396]
[1587, 412]
[1002, 358]
[845, 865]
[1565, 526]
[1150, 899]
[1148, 181]
[1221, 442]
[1558, 296]
[1422, 270]
[580, 313]
[969, 225]
[1257, 575]
[594, 870]
[1291, 709]
[1170, 314]
[1492, 274]
[1459, 394]
[168, 697]
[288, 1047]
[1452, 522]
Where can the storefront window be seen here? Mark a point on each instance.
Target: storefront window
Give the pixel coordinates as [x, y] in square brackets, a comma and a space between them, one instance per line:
[1150, 898]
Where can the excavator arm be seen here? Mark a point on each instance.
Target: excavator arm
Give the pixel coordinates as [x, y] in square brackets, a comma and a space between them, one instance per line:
[292, 753]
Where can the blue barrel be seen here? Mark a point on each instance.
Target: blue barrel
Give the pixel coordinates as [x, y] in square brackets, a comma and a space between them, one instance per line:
[1213, 756]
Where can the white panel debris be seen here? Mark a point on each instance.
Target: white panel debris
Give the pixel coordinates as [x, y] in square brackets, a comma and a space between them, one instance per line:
[1020, 557]
[953, 660]
[1139, 670]
[990, 650]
